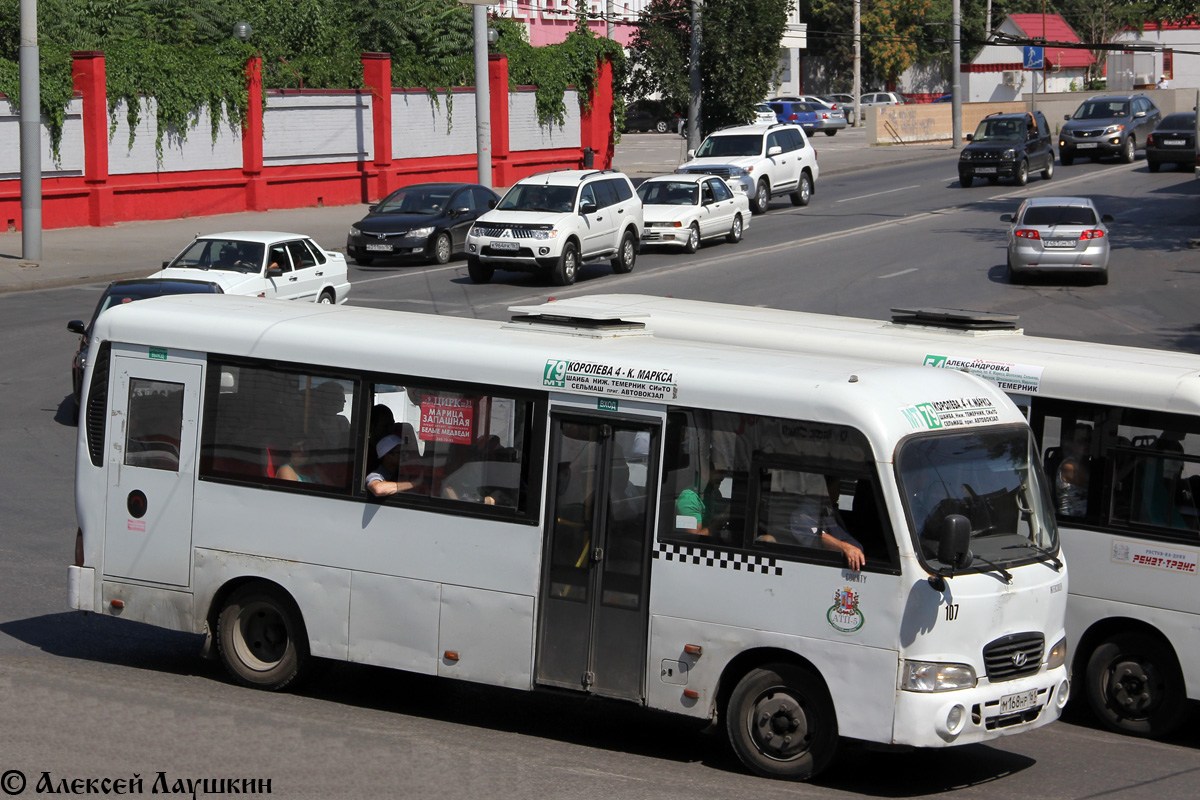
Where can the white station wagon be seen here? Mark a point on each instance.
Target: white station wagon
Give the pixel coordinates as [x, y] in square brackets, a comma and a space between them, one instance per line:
[286, 266]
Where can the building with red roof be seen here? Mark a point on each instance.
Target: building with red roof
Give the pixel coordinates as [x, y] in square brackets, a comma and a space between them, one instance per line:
[1000, 72]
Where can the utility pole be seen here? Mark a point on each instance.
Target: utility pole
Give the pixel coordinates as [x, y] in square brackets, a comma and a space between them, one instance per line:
[483, 97]
[857, 63]
[608, 16]
[31, 134]
[694, 106]
[956, 79]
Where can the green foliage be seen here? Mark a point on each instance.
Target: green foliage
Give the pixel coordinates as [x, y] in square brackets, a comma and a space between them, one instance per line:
[182, 53]
[739, 55]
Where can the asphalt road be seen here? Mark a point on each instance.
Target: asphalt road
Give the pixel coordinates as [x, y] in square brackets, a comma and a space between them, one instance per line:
[92, 697]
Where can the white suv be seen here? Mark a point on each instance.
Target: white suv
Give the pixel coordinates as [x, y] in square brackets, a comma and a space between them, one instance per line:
[778, 157]
[554, 221]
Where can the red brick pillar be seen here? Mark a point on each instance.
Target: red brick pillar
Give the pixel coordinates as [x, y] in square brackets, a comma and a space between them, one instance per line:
[595, 124]
[252, 138]
[377, 76]
[498, 89]
[89, 78]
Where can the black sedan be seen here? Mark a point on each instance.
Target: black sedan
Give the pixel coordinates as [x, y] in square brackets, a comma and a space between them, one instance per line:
[1173, 142]
[427, 220]
[127, 291]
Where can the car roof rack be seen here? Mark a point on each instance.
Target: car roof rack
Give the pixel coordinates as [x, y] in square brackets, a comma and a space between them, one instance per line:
[955, 319]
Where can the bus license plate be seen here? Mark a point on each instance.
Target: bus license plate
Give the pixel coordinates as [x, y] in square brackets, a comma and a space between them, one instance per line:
[1086, 145]
[1174, 142]
[1058, 242]
[985, 170]
[505, 246]
[383, 248]
[1012, 703]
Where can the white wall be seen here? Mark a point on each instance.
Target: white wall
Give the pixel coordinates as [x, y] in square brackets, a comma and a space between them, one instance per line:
[317, 128]
[422, 128]
[197, 152]
[1186, 64]
[70, 148]
[524, 132]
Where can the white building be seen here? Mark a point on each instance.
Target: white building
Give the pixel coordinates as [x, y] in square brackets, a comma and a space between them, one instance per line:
[999, 72]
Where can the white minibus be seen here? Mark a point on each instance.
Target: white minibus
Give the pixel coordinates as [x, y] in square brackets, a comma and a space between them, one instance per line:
[1119, 430]
[802, 548]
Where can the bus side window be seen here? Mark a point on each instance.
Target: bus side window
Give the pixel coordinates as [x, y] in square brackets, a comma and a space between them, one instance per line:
[155, 424]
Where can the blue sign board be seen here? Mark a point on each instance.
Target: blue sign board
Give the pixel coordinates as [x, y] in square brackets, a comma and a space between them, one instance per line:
[1032, 57]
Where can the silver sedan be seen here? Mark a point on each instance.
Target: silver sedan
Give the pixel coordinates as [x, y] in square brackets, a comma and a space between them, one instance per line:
[1060, 235]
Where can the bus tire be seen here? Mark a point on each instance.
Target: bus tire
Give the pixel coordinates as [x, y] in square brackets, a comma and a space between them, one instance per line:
[261, 637]
[781, 722]
[1135, 686]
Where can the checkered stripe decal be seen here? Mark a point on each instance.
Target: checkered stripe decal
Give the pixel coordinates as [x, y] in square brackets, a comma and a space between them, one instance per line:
[703, 556]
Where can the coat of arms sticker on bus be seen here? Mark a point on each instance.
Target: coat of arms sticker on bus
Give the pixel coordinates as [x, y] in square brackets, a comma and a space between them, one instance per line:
[844, 615]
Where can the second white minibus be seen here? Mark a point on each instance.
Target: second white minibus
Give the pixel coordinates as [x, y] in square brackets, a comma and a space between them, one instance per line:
[1119, 429]
[802, 548]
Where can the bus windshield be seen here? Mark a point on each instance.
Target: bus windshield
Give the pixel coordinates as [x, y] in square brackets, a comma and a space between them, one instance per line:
[993, 478]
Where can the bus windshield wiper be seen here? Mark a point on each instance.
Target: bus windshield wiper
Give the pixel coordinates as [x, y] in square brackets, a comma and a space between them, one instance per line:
[1046, 554]
[1007, 575]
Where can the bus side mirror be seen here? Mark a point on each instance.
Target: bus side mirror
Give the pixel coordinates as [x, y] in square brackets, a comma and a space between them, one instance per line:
[76, 326]
[954, 546]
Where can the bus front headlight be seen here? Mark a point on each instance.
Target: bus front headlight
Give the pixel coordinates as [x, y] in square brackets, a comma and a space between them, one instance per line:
[1058, 654]
[930, 676]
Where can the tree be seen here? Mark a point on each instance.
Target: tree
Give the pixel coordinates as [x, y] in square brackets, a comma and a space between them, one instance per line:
[739, 56]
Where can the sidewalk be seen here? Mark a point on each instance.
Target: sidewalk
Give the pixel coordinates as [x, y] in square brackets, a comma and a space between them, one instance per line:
[74, 256]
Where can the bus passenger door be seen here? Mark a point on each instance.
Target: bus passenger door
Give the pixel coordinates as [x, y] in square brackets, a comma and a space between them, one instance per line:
[151, 460]
[595, 576]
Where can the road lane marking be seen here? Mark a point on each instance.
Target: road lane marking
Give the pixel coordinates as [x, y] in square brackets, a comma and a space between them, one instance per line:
[876, 194]
[898, 274]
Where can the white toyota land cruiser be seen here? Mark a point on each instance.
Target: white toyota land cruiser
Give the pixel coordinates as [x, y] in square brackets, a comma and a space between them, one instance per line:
[779, 158]
[554, 221]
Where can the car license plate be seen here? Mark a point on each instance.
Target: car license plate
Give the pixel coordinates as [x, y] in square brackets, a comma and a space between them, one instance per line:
[383, 248]
[1060, 243]
[505, 246]
[1012, 703]
[1086, 145]
[1174, 142]
[985, 170]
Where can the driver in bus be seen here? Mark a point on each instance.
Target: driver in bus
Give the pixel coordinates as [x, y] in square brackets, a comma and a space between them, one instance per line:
[818, 524]
[384, 481]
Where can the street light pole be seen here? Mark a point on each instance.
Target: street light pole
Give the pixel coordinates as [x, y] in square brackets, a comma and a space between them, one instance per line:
[956, 78]
[483, 97]
[857, 63]
[31, 134]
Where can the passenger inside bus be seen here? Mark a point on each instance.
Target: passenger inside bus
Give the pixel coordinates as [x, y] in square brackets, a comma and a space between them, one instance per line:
[1073, 474]
[298, 467]
[386, 479]
[700, 510]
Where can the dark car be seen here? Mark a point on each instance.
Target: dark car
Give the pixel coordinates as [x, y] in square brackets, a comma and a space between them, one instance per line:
[651, 115]
[126, 291]
[1113, 125]
[1008, 146]
[427, 220]
[1173, 142]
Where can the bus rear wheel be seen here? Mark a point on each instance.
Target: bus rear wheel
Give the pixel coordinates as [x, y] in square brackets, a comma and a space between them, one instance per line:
[781, 722]
[261, 637]
[1135, 686]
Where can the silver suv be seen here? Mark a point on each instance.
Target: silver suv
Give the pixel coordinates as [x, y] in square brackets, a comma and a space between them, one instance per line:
[1114, 125]
[779, 158]
[554, 221]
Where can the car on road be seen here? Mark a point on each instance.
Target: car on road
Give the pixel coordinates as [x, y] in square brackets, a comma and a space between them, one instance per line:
[763, 115]
[779, 157]
[813, 117]
[737, 178]
[427, 220]
[117, 293]
[552, 222]
[273, 264]
[1064, 235]
[1111, 125]
[1008, 146]
[651, 115]
[833, 116]
[1173, 142]
[845, 102]
[684, 210]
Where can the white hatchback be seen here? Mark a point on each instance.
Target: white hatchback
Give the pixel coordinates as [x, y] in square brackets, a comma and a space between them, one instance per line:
[684, 210]
[285, 266]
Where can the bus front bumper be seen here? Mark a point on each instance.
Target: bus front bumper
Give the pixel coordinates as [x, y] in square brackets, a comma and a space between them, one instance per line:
[988, 711]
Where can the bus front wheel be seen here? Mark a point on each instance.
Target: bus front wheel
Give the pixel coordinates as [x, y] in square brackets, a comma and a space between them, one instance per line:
[781, 722]
[1135, 686]
[261, 637]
